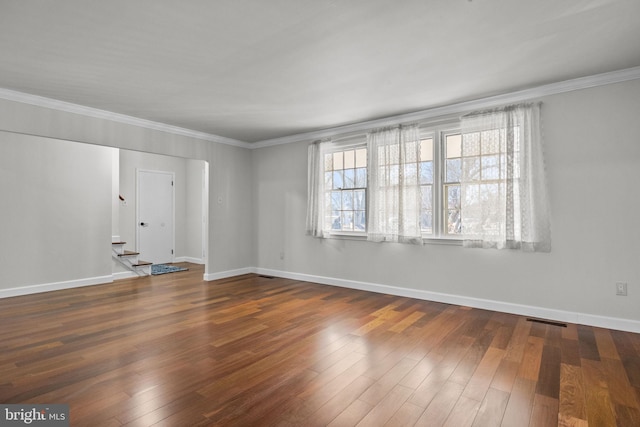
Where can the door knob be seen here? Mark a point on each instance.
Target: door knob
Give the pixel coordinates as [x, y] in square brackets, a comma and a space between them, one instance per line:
[144, 224]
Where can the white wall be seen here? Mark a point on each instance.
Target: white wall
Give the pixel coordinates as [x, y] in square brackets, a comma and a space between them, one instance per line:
[593, 162]
[188, 199]
[115, 192]
[230, 232]
[195, 202]
[55, 220]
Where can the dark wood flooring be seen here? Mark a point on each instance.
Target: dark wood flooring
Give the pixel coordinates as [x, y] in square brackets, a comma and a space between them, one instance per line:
[174, 350]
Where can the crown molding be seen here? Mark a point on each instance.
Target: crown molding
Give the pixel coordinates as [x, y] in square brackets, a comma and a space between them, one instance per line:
[68, 107]
[463, 107]
[431, 113]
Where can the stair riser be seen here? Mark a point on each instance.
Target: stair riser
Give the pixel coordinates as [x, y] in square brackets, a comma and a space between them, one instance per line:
[129, 260]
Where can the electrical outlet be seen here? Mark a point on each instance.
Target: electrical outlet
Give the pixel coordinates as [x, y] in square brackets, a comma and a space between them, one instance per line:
[621, 289]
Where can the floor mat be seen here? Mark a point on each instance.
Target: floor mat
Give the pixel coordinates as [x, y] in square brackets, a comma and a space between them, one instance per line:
[164, 269]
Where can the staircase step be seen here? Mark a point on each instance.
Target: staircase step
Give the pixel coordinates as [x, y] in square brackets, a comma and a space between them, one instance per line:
[129, 259]
[142, 264]
[128, 253]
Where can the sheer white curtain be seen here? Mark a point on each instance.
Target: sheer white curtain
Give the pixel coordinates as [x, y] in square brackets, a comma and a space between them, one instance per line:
[503, 189]
[315, 190]
[393, 191]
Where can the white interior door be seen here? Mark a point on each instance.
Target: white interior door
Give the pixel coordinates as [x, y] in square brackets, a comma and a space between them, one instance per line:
[155, 223]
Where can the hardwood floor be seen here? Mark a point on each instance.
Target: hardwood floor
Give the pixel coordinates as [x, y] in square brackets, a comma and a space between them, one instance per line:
[174, 350]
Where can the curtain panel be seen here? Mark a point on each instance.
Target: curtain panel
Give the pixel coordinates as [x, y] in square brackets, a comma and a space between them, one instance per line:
[315, 190]
[393, 191]
[504, 201]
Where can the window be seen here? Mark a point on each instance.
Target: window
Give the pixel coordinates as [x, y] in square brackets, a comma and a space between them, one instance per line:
[345, 183]
[419, 171]
[345, 180]
[484, 167]
[451, 184]
[410, 183]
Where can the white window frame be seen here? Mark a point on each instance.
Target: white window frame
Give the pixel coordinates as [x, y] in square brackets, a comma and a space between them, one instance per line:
[344, 144]
[438, 132]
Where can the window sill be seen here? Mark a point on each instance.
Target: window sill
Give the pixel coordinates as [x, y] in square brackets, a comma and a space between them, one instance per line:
[442, 241]
[425, 240]
[348, 236]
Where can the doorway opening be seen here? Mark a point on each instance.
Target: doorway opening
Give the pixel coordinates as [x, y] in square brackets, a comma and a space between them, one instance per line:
[182, 226]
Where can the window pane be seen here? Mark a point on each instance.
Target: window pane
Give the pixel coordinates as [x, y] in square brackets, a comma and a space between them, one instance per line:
[338, 162]
[394, 174]
[490, 167]
[454, 148]
[335, 220]
[359, 200]
[347, 220]
[411, 152]
[454, 170]
[337, 179]
[383, 154]
[490, 141]
[336, 200]
[426, 211]
[426, 173]
[361, 158]
[411, 173]
[489, 192]
[452, 208]
[471, 195]
[426, 222]
[349, 159]
[328, 180]
[426, 198]
[471, 144]
[361, 177]
[349, 178]
[471, 168]
[347, 200]
[360, 221]
[453, 196]
[383, 175]
[394, 155]
[453, 219]
[426, 150]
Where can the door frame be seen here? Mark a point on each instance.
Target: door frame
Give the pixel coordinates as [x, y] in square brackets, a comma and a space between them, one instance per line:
[173, 208]
[205, 215]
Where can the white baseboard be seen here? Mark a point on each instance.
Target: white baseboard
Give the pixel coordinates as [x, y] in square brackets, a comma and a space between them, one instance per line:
[57, 286]
[189, 259]
[124, 275]
[501, 306]
[230, 273]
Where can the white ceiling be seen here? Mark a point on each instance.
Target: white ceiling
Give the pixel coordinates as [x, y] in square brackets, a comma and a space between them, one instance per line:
[254, 70]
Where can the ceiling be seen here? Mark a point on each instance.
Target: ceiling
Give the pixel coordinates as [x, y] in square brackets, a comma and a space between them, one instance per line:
[255, 70]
